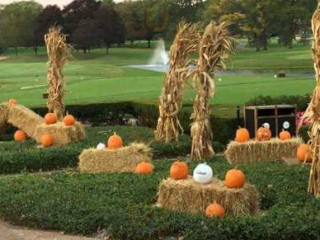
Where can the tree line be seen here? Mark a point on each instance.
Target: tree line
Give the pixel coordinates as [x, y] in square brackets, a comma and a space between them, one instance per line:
[102, 23]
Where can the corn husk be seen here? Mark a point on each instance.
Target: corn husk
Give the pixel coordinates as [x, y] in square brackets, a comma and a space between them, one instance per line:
[58, 53]
[114, 160]
[215, 47]
[313, 111]
[255, 151]
[185, 44]
[192, 197]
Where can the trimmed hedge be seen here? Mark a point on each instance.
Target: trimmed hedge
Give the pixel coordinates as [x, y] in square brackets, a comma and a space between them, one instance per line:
[302, 101]
[123, 205]
[16, 157]
[116, 114]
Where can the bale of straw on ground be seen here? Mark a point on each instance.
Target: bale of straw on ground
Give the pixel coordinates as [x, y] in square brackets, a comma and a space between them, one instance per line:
[118, 160]
[24, 118]
[4, 111]
[61, 133]
[192, 197]
[255, 151]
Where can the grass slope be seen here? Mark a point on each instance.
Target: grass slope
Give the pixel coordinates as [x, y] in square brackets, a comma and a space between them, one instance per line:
[96, 77]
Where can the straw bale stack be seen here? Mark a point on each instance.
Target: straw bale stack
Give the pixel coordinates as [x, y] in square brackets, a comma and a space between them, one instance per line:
[114, 160]
[255, 151]
[61, 133]
[192, 197]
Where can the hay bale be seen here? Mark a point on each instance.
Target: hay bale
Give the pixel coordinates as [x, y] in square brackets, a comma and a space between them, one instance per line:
[4, 111]
[254, 151]
[192, 197]
[24, 118]
[61, 133]
[118, 160]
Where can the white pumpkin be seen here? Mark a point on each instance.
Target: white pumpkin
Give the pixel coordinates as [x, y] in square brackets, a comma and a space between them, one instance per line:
[203, 173]
[101, 146]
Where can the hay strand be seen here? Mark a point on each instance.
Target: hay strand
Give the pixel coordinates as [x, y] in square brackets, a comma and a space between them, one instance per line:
[185, 44]
[58, 53]
[4, 112]
[118, 160]
[189, 196]
[313, 110]
[215, 47]
[255, 151]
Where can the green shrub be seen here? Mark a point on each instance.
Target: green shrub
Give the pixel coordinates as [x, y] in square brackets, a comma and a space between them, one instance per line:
[16, 157]
[303, 133]
[302, 101]
[123, 204]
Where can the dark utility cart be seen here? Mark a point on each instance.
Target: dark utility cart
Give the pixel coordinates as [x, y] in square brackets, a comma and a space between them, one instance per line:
[278, 117]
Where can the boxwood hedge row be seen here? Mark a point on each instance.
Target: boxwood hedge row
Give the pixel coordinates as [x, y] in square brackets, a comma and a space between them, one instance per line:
[123, 205]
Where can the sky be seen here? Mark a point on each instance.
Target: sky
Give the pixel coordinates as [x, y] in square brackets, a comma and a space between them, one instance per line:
[60, 3]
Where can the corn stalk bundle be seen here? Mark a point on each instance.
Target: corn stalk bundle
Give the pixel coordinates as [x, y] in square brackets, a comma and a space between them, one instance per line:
[58, 53]
[185, 44]
[313, 111]
[215, 46]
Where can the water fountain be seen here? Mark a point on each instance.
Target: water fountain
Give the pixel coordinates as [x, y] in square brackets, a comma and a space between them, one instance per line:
[159, 61]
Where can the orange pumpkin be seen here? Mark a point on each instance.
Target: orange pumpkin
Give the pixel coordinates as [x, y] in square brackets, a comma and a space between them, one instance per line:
[47, 140]
[263, 134]
[144, 168]
[235, 179]
[50, 118]
[69, 120]
[20, 136]
[304, 153]
[179, 170]
[13, 102]
[242, 135]
[284, 135]
[215, 210]
[115, 141]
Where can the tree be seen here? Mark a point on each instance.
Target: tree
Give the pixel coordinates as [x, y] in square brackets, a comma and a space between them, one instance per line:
[133, 18]
[18, 23]
[50, 16]
[110, 27]
[78, 10]
[156, 18]
[85, 36]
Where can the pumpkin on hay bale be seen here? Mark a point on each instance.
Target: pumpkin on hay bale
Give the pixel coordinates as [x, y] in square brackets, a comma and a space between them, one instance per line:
[259, 151]
[124, 159]
[61, 133]
[192, 197]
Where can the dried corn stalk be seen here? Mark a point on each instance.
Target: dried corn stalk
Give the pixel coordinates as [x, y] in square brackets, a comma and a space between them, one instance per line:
[185, 44]
[313, 111]
[215, 46]
[58, 53]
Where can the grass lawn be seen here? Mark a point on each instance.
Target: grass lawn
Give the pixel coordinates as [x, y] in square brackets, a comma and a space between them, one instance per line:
[96, 77]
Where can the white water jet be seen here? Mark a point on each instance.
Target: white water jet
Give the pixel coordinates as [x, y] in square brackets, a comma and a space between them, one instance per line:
[160, 55]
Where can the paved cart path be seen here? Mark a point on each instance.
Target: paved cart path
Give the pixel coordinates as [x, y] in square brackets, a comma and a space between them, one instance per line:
[8, 232]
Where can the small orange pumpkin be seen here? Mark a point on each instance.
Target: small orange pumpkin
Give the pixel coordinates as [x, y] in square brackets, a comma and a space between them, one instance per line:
[235, 179]
[13, 102]
[304, 153]
[20, 136]
[215, 210]
[115, 141]
[144, 168]
[47, 140]
[179, 170]
[69, 120]
[263, 134]
[242, 135]
[284, 135]
[50, 118]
